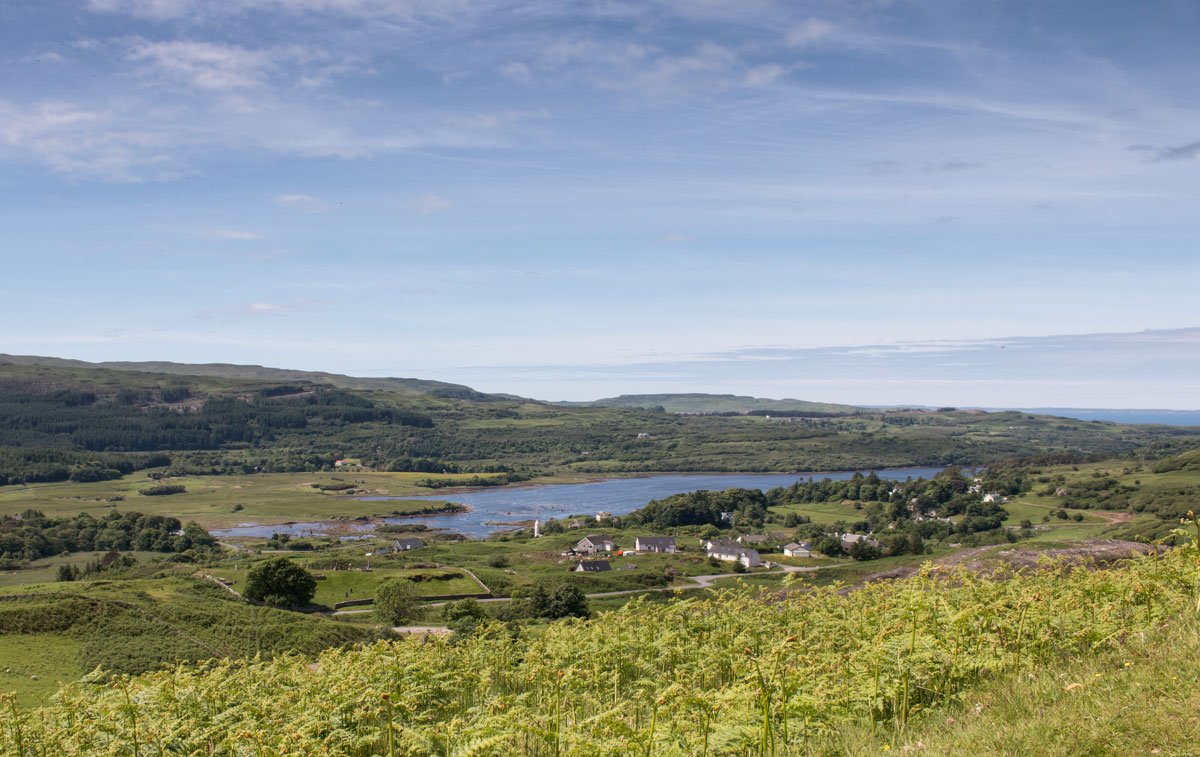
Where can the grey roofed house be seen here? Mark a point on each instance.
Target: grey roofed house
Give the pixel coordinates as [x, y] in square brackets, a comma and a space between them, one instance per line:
[849, 540]
[594, 543]
[403, 545]
[752, 539]
[654, 544]
[731, 551]
[592, 566]
[713, 544]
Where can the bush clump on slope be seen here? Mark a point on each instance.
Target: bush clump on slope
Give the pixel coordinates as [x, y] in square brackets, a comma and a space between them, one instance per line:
[765, 675]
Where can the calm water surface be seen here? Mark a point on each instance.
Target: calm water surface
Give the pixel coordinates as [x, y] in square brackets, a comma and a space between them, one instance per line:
[491, 508]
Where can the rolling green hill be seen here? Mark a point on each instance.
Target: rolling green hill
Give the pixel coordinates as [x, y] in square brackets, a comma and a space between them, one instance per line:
[260, 373]
[714, 403]
[51, 634]
[85, 423]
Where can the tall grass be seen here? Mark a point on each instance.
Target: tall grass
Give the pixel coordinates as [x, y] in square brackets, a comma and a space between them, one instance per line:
[770, 674]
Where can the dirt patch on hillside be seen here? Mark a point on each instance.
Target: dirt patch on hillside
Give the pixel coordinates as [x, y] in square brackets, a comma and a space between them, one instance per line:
[1096, 553]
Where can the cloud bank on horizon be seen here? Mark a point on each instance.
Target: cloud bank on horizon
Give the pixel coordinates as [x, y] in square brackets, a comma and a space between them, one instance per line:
[577, 199]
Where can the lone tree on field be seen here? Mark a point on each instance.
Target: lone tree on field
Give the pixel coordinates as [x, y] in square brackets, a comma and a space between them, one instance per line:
[280, 581]
[397, 601]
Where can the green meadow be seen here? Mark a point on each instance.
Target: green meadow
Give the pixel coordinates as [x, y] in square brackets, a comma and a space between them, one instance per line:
[222, 501]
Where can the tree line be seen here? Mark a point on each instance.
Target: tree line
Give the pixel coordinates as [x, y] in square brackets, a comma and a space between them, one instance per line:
[33, 535]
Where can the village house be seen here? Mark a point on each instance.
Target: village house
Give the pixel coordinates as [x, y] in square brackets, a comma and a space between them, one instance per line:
[603, 515]
[731, 551]
[802, 549]
[404, 545]
[849, 540]
[590, 545]
[655, 544]
[993, 497]
[592, 566]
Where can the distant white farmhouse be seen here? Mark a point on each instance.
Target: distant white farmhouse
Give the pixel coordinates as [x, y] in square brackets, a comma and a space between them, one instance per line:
[655, 544]
[993, 497]
[590, 545]
[731, 551]
[797, 550]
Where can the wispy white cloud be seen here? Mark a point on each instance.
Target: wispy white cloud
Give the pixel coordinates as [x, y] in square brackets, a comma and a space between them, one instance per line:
[86, 142]
[396, 10]
[1168, 154]
[516, 70]
[428, 204]
[259, 309]
[45, 56]
[133, 140]
[809, 31]
[210, 66]
[651, 71]
[302, 203]
[236, 235]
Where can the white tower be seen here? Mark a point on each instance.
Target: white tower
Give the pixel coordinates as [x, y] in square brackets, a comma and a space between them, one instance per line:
[537, 528]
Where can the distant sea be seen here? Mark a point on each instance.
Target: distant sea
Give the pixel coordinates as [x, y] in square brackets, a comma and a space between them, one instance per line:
[1167, 417]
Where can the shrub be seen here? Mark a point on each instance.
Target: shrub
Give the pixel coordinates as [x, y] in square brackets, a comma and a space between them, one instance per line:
[163, 490]
[397, 601]
[280, 581]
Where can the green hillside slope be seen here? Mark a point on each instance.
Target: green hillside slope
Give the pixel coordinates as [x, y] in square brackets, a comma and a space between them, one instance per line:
[259, 373]
[88, 423]
[773, 674]
[715, 403]
[51, 634]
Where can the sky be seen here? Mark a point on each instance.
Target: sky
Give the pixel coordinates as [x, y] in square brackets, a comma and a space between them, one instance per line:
[867, 201]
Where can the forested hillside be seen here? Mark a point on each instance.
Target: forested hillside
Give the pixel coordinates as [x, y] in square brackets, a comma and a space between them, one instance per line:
[86, 424]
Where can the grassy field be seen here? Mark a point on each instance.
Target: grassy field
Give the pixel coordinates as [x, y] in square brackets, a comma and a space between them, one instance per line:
[46, 569]
[340, 585]
[1034, 508]
[61, 631]
[35, 665]
[1124, 497]
[265, 498]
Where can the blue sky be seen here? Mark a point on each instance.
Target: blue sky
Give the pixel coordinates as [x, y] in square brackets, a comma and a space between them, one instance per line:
[842, 200]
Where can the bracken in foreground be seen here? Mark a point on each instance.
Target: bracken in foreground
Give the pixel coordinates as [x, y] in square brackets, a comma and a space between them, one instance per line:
[759, 675]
